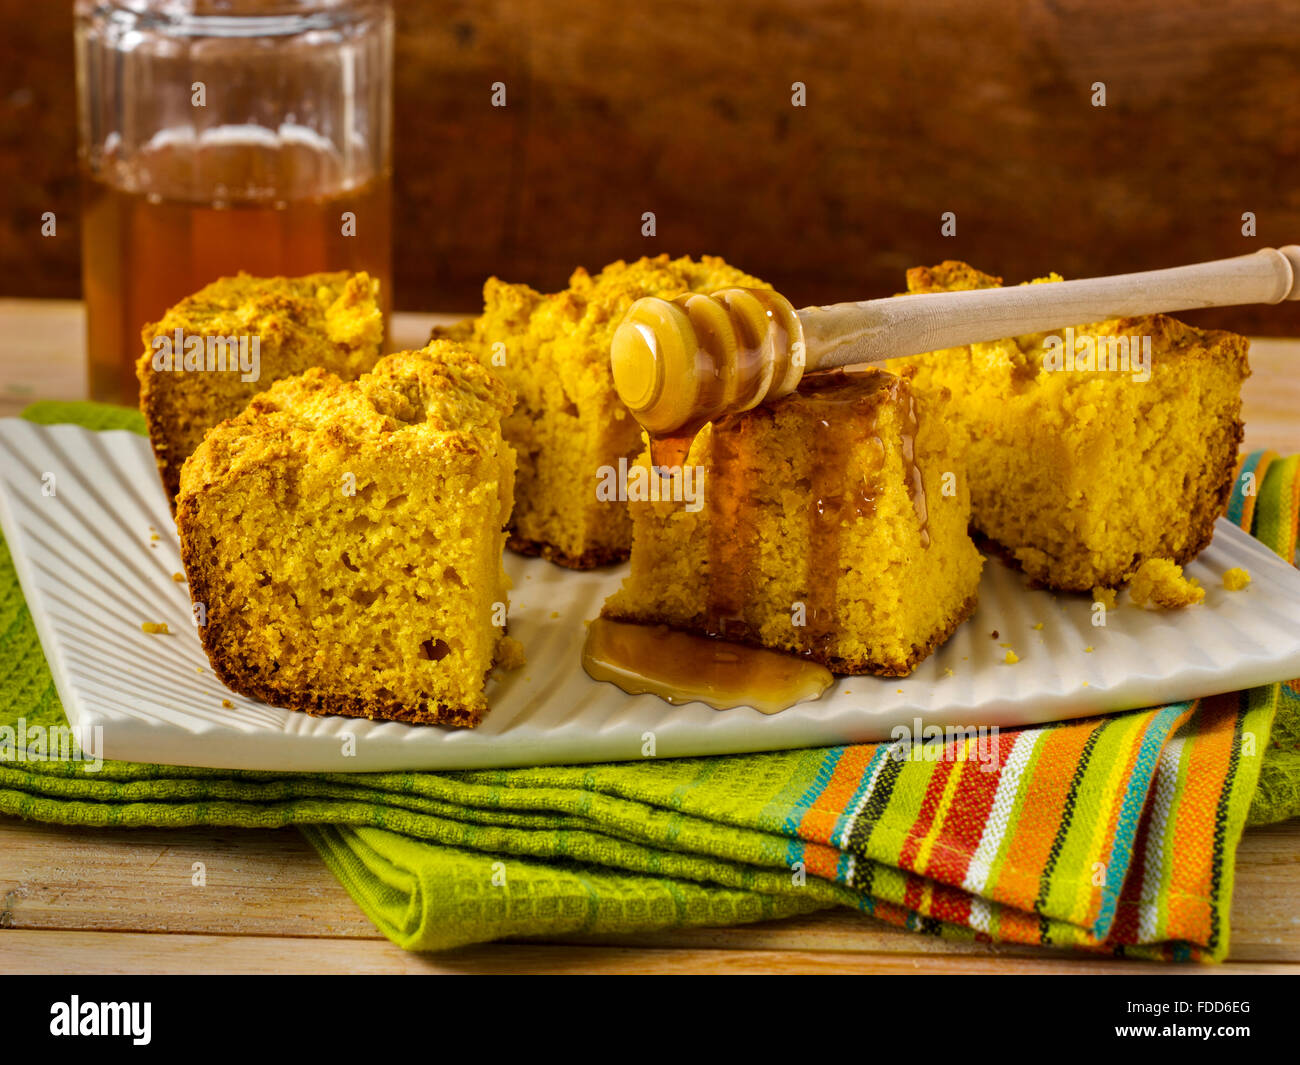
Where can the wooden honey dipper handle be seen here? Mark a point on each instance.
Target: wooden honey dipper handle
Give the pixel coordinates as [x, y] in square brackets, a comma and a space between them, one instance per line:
[847, 333]
[680, 363]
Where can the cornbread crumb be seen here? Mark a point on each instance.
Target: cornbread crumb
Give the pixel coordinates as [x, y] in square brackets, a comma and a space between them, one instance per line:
[947, 671]
[1104, 596]
[227, 703]
[1012, 658]
[158, 628]
[553, 351]
[179, 578]
[1160, 581]
[510, 653]
[1087, 650]
[555, 614]
[1236, 579]
[1038, 625]
[154, 536]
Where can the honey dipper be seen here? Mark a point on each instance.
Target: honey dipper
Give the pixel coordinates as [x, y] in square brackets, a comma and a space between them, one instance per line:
[682, 362]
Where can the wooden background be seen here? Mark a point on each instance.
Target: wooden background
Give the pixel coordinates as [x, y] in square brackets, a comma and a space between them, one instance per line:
[683, 107]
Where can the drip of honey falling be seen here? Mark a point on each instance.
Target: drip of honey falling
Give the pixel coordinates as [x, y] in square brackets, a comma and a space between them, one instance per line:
[669, 452]
[682, 668]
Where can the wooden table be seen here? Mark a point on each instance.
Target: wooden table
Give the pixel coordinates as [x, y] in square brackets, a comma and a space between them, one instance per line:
[76, 900]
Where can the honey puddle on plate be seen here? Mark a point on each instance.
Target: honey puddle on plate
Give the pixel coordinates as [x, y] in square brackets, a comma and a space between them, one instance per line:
[681, 668]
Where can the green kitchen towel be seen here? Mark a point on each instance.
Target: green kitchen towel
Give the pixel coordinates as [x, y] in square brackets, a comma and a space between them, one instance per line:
[441, 859]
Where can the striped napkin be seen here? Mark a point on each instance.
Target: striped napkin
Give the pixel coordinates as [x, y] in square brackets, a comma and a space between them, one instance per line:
[1111, 834]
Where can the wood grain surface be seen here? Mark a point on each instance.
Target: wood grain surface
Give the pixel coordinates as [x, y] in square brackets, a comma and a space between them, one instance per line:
[684, 108]
[76, 900]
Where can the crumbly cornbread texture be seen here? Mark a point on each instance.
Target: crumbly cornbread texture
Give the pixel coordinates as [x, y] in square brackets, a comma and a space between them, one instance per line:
[833, 525]
[1105, 596]
[1082, 475]
[345, 539]
[553, 351]
[1236, 579]
[1160, 582]
[329, 320]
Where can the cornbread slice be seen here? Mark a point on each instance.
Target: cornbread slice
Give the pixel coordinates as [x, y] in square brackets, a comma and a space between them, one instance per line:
[553, 351]
[331, 320]
[832, 524]
[345, 540]
[1083, 474]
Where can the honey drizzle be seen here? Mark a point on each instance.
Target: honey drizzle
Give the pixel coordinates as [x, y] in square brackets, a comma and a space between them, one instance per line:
[669, 451]
[682, 667]
[731, 531]
[835, 502]
[749, 361]
[915, 480]
[845, 406]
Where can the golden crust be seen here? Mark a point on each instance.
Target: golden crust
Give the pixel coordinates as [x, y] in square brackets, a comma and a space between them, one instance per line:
[443, 387]
[950, 275]
[331, 320]
[461, 332]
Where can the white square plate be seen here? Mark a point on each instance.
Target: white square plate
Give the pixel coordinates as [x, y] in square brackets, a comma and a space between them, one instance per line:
[91, 575]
